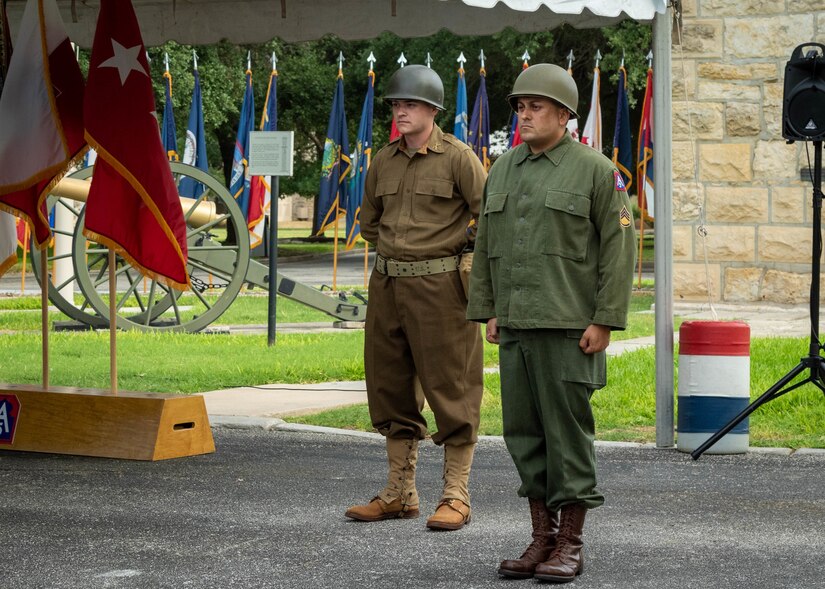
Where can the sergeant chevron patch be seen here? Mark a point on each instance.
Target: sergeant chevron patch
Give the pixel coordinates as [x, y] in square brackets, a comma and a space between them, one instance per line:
[624, 218]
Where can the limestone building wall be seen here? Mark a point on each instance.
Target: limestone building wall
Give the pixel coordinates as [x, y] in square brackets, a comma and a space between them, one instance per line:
[731, 167]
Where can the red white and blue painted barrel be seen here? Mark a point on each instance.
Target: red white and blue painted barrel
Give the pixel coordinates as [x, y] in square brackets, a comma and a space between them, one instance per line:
[714, 384]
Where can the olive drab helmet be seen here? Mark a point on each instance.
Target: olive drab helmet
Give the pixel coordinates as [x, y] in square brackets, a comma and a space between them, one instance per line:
[550, 81]
[416, 82]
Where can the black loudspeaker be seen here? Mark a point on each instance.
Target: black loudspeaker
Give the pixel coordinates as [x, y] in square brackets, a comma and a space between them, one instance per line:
[803, 106]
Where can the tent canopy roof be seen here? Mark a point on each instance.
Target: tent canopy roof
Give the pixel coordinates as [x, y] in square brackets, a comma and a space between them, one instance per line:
[201, 22]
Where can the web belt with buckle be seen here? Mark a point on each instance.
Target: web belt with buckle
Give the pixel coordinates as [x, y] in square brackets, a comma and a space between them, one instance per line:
[395, 268]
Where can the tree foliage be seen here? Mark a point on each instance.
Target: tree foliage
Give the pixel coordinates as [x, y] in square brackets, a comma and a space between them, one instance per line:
[307, 76]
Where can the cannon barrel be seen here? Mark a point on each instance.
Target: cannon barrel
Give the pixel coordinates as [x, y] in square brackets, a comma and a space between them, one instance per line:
[74, 189]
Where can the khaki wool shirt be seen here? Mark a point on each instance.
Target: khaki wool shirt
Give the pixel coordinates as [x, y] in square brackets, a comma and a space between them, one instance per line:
[556, 245]
[419, 207]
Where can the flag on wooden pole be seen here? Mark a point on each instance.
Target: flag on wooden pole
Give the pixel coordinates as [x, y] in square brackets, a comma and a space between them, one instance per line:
[133, 205]
[41, 116]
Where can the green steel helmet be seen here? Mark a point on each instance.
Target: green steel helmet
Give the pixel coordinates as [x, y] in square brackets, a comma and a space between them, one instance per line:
[550, 81]
[416, 82]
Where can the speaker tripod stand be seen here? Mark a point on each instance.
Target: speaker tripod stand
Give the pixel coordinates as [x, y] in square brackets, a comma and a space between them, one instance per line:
[813, 363]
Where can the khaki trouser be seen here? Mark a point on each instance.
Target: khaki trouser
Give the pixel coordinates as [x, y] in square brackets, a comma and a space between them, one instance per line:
[416, 326]
[546, 384]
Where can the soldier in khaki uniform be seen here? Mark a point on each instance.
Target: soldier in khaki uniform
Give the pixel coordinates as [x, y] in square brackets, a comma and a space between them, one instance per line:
[421, 193]
[552, 277]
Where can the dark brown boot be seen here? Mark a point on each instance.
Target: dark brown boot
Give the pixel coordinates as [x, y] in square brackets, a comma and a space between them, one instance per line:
[565, 561]
[545, 529]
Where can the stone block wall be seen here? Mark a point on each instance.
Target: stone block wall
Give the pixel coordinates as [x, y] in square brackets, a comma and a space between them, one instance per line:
[732, 169]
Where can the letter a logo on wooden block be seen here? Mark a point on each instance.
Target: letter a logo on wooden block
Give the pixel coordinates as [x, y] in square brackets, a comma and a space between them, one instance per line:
[9, 412]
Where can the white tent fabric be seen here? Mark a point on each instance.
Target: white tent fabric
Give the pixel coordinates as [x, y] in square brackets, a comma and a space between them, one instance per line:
[199, 22]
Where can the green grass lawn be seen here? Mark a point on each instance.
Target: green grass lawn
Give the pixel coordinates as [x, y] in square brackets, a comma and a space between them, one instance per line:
[187, 363]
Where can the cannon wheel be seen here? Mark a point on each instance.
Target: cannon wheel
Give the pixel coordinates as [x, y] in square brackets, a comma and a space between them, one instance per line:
[217, 271]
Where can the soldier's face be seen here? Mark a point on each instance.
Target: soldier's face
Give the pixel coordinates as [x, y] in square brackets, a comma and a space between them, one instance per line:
[541, 122]
[413, 117]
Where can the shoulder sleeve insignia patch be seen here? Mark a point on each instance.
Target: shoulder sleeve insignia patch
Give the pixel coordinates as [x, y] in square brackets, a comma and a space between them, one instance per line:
[625, 218]
[619, 181]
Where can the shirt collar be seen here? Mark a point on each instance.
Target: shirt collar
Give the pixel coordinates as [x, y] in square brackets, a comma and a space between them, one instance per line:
[554, 154]
[435, 143]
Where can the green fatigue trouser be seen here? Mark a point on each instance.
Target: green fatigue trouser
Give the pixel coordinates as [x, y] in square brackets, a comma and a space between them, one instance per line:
[546, 384]
[417, 326]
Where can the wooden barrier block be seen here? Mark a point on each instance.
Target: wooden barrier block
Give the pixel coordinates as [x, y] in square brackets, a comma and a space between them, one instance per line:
[93, 422]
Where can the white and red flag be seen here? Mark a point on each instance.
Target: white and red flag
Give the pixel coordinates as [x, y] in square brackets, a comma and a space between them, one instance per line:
[41, 116]
[133, 204]
[8, 242]
[592, 133]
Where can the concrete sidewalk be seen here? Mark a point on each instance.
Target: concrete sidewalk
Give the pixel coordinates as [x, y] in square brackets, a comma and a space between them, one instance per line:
[282, 400]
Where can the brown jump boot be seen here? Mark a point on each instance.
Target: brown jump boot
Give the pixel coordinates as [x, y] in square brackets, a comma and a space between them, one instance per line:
[565, 561]
[453, 511]
[399, 499]
[545, 529]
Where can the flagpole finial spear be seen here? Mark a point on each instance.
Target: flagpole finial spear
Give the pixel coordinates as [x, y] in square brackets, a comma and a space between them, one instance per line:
[622, 65]
[166, 61]
[402, 61]
[249, 61]
[429, 60]
[371, 60]
[461, 60]
[195, 59]
[274, 62]
[481, 58]
[598, 57]
[649, 58]
[570, 59]
[340, 62]
[525, 57]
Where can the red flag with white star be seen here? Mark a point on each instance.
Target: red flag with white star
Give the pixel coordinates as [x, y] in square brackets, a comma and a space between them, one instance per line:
[133, 204]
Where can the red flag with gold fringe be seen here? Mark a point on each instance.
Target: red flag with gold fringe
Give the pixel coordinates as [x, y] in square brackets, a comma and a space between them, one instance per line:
[133, 204]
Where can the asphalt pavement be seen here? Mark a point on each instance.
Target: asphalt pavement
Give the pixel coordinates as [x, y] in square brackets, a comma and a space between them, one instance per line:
[266, 510]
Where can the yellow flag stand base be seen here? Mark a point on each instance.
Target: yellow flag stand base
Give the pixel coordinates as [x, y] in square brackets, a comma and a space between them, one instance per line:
[95, 422]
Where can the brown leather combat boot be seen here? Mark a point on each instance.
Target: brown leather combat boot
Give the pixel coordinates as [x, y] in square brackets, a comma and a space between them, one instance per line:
[453, 511]
[566, 560]
[399, 499]
[545, 529]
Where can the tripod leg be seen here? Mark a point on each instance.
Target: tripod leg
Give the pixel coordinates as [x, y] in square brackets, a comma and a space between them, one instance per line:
[764, 398]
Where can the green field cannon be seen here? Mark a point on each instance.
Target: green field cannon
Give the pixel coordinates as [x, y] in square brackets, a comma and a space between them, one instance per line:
[218, 270]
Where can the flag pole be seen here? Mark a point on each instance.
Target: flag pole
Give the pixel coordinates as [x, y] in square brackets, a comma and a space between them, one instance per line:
[44, 311]
[25, 251]
[335, 249]
[112, 322]
[641, 239]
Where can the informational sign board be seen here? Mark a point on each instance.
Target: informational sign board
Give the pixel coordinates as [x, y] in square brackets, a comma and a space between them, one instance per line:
[9, 412]
[270, 153]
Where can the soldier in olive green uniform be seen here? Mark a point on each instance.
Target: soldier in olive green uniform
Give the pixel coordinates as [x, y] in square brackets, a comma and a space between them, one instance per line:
[552, 277]
[421, 193]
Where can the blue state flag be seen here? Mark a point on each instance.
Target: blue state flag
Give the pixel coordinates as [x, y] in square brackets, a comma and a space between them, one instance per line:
[479, 134]
[169, 134]
[361, 163]
[622, 144]
[332, 196]
[194, 149]
[460, 129]
[239, 182]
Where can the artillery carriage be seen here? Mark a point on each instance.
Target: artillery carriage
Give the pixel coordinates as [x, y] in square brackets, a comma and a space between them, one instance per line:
[218, 270]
